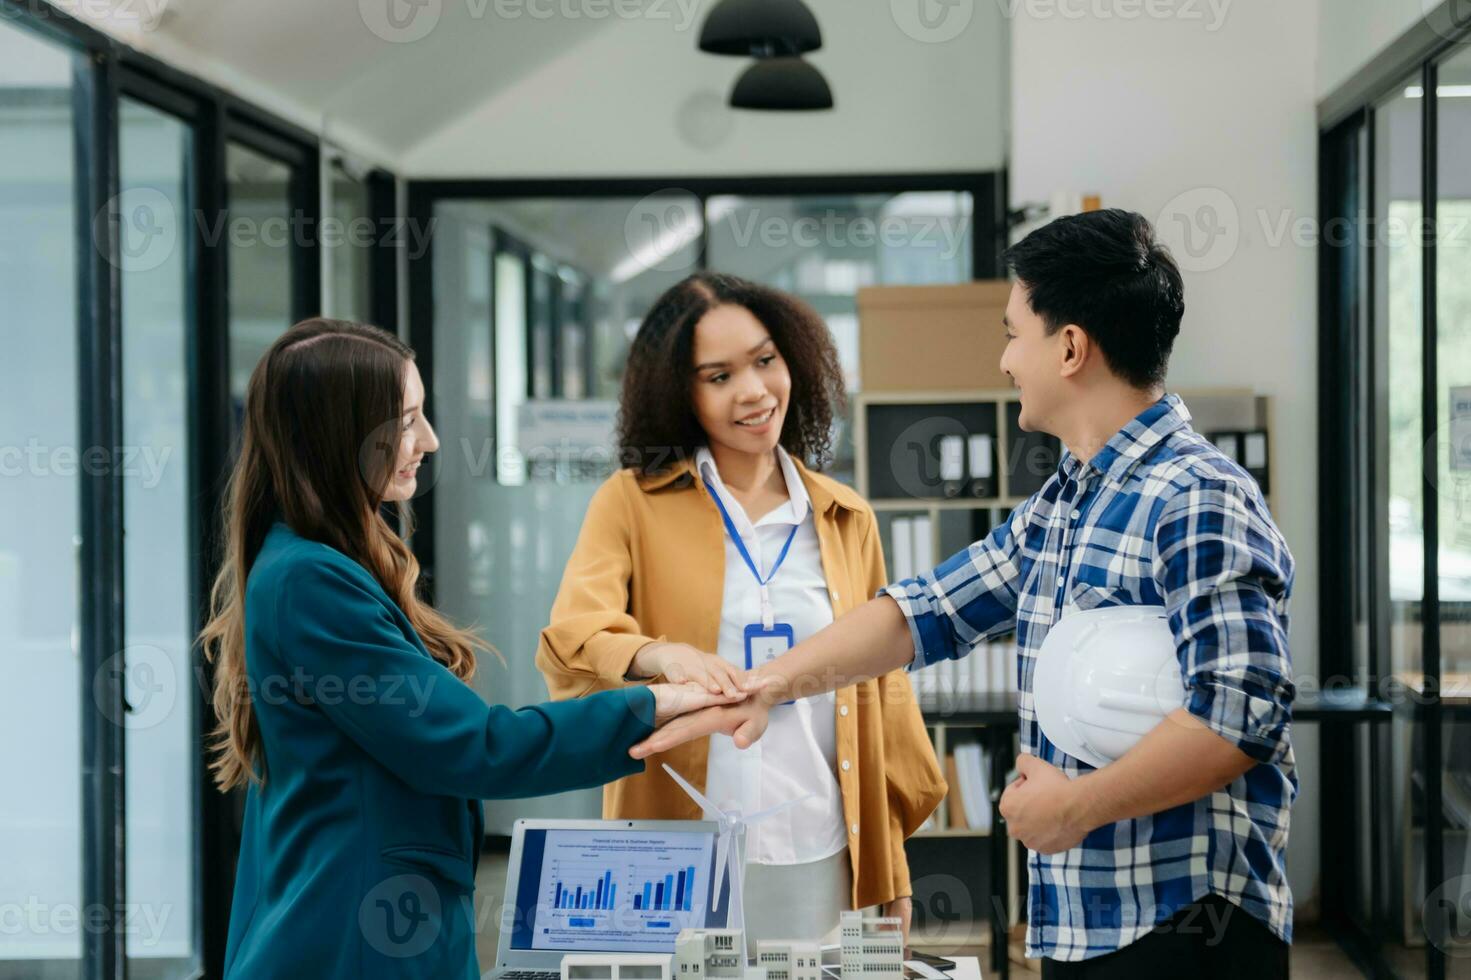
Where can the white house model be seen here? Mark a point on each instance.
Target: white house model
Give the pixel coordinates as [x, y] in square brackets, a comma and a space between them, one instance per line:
[873, 947]
[709, 954]
[787, 959]
[615, 966]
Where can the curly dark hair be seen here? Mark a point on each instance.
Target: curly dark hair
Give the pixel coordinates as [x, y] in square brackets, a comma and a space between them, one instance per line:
[657, 425]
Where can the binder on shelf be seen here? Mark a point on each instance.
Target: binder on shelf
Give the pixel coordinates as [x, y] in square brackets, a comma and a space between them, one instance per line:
[923, 682]
[978, 669]
[901, 530]
[980, 455]
[972, 787]
[944, 672]
[1254, 456]
[952, 466]
[1228, 443]
[954, 805]
[918, 450]
[1247, 448]
[924, 545]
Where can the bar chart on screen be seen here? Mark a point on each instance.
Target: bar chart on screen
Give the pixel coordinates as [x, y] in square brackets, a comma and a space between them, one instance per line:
[575, 889]
[646, 883]
[646, 886]
[673, 892]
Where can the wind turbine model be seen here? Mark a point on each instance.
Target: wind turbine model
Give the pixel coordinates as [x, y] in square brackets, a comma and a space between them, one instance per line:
[733, 825]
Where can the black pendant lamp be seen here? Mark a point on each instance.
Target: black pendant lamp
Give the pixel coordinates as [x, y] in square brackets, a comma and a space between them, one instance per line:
[760, 29]
[783, 84]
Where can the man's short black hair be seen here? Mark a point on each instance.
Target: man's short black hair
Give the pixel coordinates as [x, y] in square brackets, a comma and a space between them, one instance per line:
[1105, 272]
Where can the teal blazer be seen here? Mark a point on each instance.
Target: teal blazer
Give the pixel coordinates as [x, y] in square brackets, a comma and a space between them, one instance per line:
[360, 848]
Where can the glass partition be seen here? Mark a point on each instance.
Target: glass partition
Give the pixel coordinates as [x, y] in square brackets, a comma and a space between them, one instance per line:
[40, 722]
[347, 245]
[262, 236]
[1448, 894]
[155, 152]
[525, 412]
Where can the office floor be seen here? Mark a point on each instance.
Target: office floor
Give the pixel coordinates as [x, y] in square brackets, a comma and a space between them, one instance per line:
[1314, 955]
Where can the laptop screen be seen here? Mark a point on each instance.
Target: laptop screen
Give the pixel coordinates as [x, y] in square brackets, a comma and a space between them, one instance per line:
[615, 889]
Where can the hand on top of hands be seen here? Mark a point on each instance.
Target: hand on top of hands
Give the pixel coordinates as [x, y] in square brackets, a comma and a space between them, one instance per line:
[743, 717]
[680, 663]
[675, 700]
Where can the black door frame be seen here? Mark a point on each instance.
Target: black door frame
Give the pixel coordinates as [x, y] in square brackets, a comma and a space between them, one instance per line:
[1352, 444]
[106, 71]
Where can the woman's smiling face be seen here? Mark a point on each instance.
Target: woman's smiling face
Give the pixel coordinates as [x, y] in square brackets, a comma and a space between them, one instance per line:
[741, 383]
[416, 441]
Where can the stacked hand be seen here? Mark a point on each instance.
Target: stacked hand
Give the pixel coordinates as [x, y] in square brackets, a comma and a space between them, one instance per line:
[743, 717]
[681, 663]
[673, 701]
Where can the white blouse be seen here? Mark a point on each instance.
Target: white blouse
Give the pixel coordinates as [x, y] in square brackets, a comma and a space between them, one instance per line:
[798, 753]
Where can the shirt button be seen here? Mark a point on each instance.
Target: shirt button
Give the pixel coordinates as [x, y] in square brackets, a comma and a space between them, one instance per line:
[847, 765]
[1077, 514]
[1061, 581]
[854, 829]
[843, 710]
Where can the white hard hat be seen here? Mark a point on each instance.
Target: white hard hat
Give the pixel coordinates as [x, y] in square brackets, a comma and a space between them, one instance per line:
[1104, 677]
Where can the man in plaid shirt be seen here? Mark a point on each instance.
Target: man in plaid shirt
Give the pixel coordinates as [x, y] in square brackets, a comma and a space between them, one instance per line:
[1172, 858]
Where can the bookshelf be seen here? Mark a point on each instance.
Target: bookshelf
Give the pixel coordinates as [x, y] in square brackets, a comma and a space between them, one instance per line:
[929, 415]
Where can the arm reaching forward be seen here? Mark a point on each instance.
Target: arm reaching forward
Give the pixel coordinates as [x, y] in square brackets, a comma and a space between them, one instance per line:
[870, 641]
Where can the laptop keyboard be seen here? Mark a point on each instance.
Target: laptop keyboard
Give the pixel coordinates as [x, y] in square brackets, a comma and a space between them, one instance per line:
[530, 975]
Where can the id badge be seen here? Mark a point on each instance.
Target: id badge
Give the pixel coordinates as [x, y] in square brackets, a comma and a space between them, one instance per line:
[765, 645]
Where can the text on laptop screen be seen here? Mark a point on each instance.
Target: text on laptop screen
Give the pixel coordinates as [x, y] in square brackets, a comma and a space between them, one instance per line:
[615, 890]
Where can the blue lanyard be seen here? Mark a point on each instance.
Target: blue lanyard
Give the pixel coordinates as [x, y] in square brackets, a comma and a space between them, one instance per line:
[735, 537]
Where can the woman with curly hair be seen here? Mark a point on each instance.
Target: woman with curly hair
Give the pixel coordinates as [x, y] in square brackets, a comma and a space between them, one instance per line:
[717, 548]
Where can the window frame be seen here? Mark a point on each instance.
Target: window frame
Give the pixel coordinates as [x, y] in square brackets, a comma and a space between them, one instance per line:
[1351, 371]
[105, 72]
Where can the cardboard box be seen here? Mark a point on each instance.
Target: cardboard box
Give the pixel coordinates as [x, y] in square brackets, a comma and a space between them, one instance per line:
[932, 338]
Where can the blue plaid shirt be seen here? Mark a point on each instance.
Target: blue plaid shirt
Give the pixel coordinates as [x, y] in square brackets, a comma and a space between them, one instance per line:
[1157, 517]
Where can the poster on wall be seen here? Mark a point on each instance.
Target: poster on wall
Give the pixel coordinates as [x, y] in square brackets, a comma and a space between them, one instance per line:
[568, 440]
[1460, 411]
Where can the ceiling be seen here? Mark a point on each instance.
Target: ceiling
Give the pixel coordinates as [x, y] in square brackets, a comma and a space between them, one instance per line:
[346, 66]
[569, 87]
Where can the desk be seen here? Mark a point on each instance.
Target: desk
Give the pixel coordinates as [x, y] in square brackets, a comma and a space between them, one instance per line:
[966, 968]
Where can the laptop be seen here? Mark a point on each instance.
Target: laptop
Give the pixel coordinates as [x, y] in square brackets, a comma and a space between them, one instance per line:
[605, 886]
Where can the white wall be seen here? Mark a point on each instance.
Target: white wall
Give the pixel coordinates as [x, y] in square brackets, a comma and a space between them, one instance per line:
[638, 98]
[1173, 117]
[1352, 32]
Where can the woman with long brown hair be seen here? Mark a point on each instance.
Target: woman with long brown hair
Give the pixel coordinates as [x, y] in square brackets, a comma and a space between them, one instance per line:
[341, 697]
[716, 549]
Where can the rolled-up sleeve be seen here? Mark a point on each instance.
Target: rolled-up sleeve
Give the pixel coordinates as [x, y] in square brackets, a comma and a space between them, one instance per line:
[1226, 576]
[968, 598]
[592, 639]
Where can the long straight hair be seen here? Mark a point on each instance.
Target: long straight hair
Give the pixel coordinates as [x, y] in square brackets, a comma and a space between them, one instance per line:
[323, 423]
